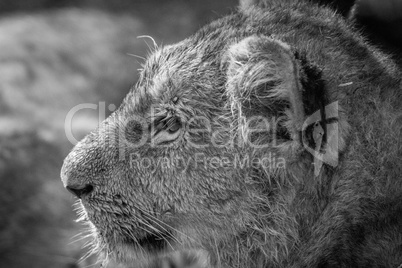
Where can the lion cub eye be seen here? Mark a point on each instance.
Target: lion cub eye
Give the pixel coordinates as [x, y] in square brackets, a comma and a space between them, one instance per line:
[166, 129]
[174, 126]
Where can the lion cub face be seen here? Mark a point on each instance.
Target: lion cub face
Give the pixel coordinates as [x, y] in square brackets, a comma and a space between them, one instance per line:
[184, 162]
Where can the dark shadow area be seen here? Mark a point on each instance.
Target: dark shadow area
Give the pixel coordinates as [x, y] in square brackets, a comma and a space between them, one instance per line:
[382, 23]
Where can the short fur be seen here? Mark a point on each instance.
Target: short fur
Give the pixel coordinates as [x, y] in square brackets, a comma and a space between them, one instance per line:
[286, 61]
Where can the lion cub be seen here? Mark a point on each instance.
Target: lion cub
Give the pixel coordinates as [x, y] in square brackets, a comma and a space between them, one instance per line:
[269, 138]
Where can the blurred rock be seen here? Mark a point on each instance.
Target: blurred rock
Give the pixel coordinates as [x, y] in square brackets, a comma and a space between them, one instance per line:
[51, 62]
[36, 227]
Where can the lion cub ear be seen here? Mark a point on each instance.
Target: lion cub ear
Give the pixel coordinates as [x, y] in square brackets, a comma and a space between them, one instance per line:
[269, 85]
[263, 80]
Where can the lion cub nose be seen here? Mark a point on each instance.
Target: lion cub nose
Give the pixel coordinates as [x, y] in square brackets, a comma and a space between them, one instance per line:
[75, 173]
[74, 184]
[80, 192]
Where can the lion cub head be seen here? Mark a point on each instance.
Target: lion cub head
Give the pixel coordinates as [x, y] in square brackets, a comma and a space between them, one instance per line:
[201, 154]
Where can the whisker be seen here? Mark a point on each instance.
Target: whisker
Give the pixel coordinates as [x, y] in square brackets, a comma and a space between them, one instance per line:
[80, 239]
[153, 41]
[154, 220]
[136, 56]
[159, 222]
[132, 236]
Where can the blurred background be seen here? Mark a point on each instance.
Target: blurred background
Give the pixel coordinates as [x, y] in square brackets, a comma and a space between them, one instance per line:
[56, 54]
